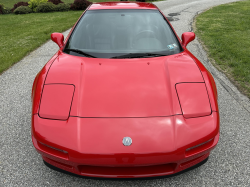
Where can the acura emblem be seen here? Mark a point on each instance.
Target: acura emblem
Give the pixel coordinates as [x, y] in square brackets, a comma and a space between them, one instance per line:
[127, 141]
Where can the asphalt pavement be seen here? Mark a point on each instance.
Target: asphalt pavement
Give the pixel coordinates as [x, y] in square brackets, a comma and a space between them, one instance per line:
[21, 165]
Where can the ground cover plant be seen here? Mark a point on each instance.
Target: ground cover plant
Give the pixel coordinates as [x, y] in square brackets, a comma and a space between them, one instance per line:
[21, 34]
[225, 30]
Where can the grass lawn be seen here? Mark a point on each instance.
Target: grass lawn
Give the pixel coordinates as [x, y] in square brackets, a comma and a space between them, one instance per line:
[225, 31]
[21, 34]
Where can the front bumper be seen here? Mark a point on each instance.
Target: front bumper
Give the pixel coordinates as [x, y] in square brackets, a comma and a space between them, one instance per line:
[67, 153]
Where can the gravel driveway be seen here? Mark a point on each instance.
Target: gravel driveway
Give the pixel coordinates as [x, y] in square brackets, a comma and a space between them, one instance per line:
[21, 165]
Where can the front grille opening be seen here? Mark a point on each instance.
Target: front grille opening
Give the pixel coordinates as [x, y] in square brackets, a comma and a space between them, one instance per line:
[190, 161]
[58, 164]
[136, 170]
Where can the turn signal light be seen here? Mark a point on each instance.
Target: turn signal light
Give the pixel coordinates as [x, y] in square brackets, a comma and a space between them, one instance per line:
[199, 148]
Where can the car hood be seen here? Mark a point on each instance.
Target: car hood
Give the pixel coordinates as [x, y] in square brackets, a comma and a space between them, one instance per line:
[141, 87]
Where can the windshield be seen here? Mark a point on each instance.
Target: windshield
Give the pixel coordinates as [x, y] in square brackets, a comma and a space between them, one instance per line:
[119, 33]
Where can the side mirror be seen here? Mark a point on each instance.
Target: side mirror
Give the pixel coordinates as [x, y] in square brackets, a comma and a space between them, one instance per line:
[57, 38]
[187, 37]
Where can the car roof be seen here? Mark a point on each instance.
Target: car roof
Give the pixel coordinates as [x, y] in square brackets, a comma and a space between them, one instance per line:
[122, 5]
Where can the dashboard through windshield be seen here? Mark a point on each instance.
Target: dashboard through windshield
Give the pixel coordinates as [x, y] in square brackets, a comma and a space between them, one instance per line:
[122, 34]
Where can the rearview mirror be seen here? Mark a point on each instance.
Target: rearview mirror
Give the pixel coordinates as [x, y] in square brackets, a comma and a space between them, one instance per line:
[187, 37]
[57, 38]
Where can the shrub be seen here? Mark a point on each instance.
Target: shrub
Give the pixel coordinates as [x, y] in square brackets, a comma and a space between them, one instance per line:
[7, 10]
[56, 2]
[4, 10]
[141, 0]
[34, 3]
[46, 7]
[22, 10]
[63, 7]
[1, 8]
[19, 4]
[80, 5]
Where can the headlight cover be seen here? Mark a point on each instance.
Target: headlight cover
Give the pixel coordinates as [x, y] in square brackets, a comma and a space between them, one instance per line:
[56, 101]
[193, 99]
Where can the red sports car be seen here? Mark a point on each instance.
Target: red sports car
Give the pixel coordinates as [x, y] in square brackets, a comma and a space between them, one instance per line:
[123, 97]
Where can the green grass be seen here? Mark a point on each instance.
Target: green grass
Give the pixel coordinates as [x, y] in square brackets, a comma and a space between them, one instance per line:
[225, 32]
[21, 34]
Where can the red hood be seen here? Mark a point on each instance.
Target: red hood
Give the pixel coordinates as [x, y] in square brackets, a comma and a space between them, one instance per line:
[143, 87]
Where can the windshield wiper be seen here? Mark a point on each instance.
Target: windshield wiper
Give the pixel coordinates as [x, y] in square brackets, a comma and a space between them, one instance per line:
[80, 52]
[139, 55]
